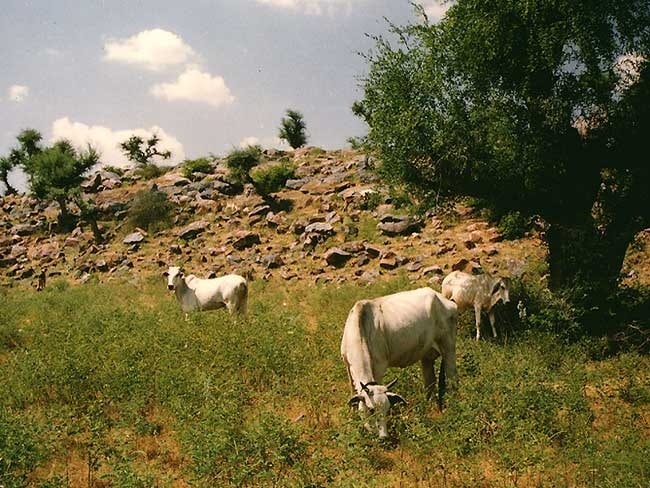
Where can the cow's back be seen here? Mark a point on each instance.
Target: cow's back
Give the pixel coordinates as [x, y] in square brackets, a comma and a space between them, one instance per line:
[412, 322]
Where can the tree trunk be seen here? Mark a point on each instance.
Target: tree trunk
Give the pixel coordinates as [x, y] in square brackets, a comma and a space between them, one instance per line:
[99, 238]
[586, 263]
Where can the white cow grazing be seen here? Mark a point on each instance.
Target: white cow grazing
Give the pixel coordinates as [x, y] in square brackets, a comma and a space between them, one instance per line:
[397, 330]
[195, 294]
[479, 291]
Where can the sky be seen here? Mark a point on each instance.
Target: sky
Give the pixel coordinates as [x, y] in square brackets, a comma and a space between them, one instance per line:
[205, 75]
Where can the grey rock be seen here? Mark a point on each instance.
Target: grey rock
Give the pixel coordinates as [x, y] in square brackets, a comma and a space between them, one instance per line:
[194, 229]
[133, 238]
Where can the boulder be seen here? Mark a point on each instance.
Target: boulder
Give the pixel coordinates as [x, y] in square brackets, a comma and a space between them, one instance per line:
[134, 238]
[395, 225]
[194, 229]
[244, 239]
[337, 257]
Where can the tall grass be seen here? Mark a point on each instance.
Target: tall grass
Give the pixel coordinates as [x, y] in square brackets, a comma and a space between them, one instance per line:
[108, 384]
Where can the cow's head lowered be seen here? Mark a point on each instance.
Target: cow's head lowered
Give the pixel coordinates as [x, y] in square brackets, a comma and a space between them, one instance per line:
[500, 291]
[174, 275]
[374, 402]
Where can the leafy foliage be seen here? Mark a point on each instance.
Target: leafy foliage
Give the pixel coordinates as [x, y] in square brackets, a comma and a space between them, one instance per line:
[293, 129]
[150, 210]
[55, 174]
[199, 165]
[241, 160]
[523, 104]
[142, 152]
[272, 178]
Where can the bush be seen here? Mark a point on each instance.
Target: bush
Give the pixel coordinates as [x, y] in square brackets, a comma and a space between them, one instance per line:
[240, 161]
[150, 210]
[200, 165]
[293, 129]
[272, 178]
[151, 171]
[513, 225]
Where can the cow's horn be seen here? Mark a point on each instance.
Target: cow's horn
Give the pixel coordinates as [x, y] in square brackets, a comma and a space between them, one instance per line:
[390, 385]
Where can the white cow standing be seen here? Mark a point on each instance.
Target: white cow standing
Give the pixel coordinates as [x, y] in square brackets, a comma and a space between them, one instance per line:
[396, 331]
[196, 294]
[479, 291]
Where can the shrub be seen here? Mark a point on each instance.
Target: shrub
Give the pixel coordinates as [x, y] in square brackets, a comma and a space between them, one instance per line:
[150, 210]
[200, 165]
[272, 178]
[151, 171]
[293, 129]
[513, 225]
[241, 160]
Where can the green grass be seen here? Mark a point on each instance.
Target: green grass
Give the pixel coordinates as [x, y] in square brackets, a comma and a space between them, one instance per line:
[109, 384]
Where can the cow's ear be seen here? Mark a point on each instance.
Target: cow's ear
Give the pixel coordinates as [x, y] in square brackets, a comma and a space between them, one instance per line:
[355, 400]
[165, 273]
[395, 399]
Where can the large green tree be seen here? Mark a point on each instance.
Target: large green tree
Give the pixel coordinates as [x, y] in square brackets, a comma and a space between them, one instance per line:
[55, 173]
[539, 106]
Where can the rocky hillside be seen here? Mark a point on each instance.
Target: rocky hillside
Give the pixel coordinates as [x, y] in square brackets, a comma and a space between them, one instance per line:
[333, 222]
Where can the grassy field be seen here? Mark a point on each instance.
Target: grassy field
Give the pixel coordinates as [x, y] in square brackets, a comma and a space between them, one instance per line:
[109, 385]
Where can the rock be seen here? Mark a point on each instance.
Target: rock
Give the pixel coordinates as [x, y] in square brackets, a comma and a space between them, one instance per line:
[389, 261]
[493, 235]
[475, 237]
[394, 225]
[414, 266]
[298, 226]
[245, 239]
[293, 184]
[271, 261]
[225, 188]
[23, 230]
[435, 269]
[320, 228]
[469, 244]
[194, 229]
[133, 238]
[259, 211]
[337, 257]
[373, 251]
[471, 267]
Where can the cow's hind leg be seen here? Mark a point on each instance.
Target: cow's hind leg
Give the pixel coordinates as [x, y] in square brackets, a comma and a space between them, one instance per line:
[491, 317]
[477, 314]
[429, 374]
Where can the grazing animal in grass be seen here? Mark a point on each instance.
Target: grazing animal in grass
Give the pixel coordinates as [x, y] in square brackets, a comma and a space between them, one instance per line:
[396, 331]
[479, 291]
[196, 294]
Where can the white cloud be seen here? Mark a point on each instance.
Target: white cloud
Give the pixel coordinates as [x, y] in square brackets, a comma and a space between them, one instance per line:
[312, 7]
[195, 86]
[249, 141]
[107, 140]
[436, 9]
[153, 49]
[17, 93]
[270, 142]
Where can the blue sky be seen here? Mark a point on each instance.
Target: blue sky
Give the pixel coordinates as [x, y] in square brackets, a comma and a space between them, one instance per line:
[205, 75]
